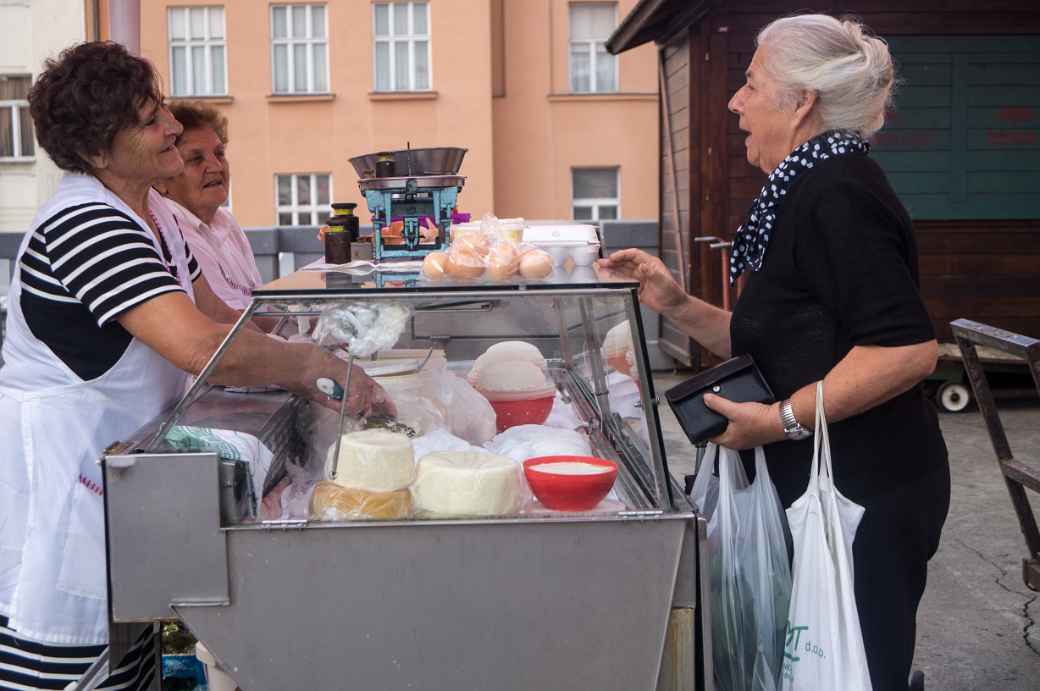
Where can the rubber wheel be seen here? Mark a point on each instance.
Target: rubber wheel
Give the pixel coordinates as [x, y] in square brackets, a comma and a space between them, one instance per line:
[953, 398]
[917, 681]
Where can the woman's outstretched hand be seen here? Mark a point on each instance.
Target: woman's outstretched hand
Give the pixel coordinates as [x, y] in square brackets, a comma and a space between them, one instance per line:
[657, 289]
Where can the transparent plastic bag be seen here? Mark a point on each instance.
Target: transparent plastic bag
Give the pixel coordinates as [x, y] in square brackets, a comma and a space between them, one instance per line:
[437, 398]
[730, 598]
[766, 570]
[491, 249]
[364, 327]
[705, 493]
[750, 577]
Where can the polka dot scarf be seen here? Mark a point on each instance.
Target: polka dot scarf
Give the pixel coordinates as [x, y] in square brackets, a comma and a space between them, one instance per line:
[752, 238]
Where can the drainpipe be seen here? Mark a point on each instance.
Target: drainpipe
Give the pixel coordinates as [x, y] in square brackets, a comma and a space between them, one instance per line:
[124, 17]
[95, 20]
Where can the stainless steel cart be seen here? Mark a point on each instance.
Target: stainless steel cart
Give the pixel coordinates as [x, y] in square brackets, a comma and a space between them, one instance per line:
[600, 600]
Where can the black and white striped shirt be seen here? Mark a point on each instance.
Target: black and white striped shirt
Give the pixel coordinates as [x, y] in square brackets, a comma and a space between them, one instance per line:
[85, 266]
[30, 665]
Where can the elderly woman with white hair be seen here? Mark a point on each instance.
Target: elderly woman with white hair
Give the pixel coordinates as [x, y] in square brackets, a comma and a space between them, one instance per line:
[831, 294]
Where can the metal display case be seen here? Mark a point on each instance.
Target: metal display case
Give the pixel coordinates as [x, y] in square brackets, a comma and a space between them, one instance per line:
[538, 599]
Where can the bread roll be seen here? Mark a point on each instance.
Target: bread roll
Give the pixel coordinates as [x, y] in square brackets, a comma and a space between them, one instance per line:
[502, 261]
[472, 240]
[464, 263]
[435, 265]
[333, 502]
[536, 264]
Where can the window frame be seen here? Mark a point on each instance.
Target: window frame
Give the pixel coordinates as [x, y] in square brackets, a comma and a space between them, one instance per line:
[596, 202]
[290, 41]
[591, 46]
[410, 38]
[15, 105]
[207, 43]
[295, 208]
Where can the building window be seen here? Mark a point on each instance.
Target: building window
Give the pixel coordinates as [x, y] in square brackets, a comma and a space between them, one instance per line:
[16, 130]
[402, 46]
[595, 196]
[299, 49]
[302, 199]
[198, 65]
[593, 69]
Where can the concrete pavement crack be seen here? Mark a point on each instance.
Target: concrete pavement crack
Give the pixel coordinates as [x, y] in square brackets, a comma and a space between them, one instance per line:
[1029, 622]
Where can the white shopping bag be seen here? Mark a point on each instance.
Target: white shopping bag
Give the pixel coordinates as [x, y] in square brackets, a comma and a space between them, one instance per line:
[824, 647]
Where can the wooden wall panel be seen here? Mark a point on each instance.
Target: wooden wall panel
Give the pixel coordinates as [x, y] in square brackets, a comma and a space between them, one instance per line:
[682, 136]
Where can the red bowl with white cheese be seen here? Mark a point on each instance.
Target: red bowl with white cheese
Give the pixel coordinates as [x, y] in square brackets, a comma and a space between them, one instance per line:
[570, 483]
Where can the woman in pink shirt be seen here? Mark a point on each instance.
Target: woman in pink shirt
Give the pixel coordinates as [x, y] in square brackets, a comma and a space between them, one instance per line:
[197, 195]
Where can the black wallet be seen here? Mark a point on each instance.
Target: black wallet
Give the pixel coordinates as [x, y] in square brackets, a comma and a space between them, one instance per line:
[737, 379]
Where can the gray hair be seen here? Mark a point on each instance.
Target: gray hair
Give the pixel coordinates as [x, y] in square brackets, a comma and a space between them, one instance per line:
[850, 70]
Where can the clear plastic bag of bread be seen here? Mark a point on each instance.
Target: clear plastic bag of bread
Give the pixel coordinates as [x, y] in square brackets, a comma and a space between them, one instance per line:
[334, 502]
[485, 253]
[466, 258]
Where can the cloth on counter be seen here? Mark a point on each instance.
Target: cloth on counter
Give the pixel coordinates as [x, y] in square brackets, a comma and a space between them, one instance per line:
[531, 441]
[563, 416]
[624, 395]
[231, 446]
[440, 440]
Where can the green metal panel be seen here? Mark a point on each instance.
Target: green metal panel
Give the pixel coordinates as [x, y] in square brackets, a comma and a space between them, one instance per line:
[964, 140]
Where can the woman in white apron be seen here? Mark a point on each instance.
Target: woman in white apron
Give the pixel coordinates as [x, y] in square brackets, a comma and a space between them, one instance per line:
[108, 316]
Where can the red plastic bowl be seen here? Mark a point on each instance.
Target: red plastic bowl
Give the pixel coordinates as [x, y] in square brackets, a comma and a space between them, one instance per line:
[569, 492]
[527, 411]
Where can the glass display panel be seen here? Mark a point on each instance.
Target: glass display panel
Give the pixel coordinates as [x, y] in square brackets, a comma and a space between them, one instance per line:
[447, 391]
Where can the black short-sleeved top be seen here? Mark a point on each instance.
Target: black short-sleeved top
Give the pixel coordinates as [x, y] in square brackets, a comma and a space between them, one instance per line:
[841, 271]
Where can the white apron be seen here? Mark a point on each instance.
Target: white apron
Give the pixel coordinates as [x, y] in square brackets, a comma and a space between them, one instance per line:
[52, 536]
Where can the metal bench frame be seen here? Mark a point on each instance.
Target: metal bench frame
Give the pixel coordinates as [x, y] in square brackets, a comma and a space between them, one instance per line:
[1017, 476]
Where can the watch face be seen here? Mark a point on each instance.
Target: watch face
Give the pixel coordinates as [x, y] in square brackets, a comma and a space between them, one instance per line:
[799, 434]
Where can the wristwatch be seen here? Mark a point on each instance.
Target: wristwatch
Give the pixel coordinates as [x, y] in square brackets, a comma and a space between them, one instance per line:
[792, 428]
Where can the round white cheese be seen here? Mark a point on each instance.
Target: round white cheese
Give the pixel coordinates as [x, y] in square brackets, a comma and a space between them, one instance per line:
[467, 483]
[375, 460]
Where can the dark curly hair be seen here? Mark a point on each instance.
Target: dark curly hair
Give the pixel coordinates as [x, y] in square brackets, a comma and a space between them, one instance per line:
[193, 116]
[85, 97]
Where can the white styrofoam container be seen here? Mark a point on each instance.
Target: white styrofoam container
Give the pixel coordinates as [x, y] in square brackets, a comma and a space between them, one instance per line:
[576, 241]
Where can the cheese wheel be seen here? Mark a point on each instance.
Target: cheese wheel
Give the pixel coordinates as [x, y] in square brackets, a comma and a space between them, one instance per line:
[375, 460]
[467, 483]
[333, 502]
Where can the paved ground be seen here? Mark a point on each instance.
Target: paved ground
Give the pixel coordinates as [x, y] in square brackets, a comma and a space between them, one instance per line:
[978, 626]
